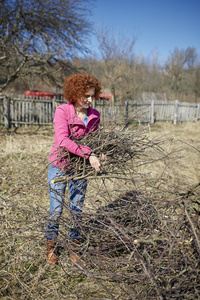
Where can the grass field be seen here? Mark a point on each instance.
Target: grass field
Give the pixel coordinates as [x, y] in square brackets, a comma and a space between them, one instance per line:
[173, 171]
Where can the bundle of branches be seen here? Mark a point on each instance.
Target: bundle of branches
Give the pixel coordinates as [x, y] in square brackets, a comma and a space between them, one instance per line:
[123, 149]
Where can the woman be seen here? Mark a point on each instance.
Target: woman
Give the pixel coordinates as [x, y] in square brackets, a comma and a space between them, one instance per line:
[71, 121]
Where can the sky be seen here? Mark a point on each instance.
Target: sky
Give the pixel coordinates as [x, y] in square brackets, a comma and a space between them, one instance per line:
[158, 25]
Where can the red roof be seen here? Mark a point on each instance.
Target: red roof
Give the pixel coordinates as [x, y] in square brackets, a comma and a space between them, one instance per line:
[42, 94]
[106, 96]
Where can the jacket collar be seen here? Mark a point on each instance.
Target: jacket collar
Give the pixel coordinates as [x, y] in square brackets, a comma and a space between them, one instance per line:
[74, 119]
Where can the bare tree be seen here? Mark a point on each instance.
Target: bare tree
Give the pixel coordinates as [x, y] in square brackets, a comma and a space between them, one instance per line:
[192, 57]
[197, 83]
[178, 62]
[175, 68]
[193, 72]
[36, 36]
[116, 56]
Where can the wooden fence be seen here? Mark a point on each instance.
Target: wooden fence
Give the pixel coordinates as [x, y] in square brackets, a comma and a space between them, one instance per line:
[27, 111]
[17, 111]
[151, 111]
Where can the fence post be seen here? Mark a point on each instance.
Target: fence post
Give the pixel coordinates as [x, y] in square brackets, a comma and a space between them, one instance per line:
[6, 105]
[113, 107]
[176, 112]
[104, 110]
[54, 104]
[94, 103]
[152, 112]
[126, 110]
[198, 112]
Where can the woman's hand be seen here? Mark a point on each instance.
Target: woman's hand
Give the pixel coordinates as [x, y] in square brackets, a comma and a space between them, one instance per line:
[95, 163]
[103, 157]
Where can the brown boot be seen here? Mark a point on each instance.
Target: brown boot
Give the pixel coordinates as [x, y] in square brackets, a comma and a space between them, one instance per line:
[75, 258]
[73, 249]
[51, 252]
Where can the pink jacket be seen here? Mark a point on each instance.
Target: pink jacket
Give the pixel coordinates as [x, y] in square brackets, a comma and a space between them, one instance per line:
[67, 125]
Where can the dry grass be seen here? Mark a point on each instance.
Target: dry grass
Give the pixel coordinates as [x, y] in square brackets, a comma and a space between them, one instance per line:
[184, 141]
[173, 171]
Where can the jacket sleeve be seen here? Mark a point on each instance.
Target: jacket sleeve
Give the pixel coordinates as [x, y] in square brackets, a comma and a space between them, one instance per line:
[62, 135]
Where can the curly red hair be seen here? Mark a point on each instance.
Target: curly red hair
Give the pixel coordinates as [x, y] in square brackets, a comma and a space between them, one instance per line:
[77, 85]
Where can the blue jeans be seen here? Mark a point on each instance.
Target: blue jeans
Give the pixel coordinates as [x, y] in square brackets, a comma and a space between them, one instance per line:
[77, 191]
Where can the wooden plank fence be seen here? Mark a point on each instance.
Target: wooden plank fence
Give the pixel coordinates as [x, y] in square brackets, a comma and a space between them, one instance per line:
[19, 110]
[150, 111]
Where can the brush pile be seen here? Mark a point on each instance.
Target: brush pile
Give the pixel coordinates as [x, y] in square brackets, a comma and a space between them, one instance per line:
[138, 247]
